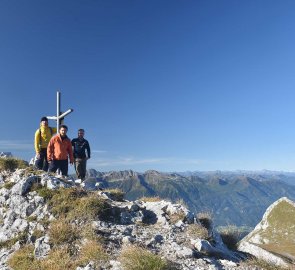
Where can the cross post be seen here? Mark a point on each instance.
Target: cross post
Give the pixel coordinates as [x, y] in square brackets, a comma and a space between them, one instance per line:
[59, 115]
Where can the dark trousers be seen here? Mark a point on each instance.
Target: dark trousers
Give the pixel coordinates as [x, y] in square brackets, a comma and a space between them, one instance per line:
[80, 168]
[59, 164]
[41, 163]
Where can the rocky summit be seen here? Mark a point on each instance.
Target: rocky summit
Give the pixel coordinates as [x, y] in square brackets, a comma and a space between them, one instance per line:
[273, 239]
[50, 222]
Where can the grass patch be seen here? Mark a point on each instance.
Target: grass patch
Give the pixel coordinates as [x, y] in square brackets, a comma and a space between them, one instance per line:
[92, 251]
[181, 202]
[63, 232]
[32, 218]
[37, 234]
[44, 222]
[43, 192]
[137, 258]
[89, 233]
[64, 200]
[180, 215]
[116, 194]
[90, 207]
[23, 259]
[21, 237]
[76, 204]
[230, 236]
[198, 231]
[205, 219]
[11, 164]
[261, 264]
[150, 199]
[58, 259]
[8, 185]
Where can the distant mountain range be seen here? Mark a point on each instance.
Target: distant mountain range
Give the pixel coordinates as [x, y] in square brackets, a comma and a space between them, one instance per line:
[239, 197]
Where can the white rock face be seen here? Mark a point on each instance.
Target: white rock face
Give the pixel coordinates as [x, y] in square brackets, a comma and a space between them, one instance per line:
[261, 254]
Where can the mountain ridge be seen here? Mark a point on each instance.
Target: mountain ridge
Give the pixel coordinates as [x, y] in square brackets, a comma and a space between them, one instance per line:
[233, 198]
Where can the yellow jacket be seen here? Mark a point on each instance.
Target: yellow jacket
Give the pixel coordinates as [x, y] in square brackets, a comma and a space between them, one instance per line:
[42, 140]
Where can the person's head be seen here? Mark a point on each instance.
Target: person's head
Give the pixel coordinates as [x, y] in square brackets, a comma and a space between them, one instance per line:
[81, 133]
[44, 121]
[63, 129]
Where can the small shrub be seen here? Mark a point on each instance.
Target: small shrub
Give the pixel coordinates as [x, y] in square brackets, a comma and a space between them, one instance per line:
[37, 234]
[116, 194]
[182, 202]
[92, 251]
[44, 222]
[23, 259]
[62, 232]
[21, 237]
[43, 192]
[90, 207]
[58, 259]
[150, 199]
[89, 233]
[11, 164]
[64, 200]
[230, 236]
[8, 185]
[205, 219]
[135, 258]
[198, 231]
[180, 215]
[32, 218]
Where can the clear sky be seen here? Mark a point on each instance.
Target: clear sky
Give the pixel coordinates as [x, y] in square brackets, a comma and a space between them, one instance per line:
[157, 84]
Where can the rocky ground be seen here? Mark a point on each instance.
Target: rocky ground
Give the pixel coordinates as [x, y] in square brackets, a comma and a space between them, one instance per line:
[168, 230]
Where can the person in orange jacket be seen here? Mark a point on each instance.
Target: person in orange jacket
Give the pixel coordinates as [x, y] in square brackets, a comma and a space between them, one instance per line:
[59, 151]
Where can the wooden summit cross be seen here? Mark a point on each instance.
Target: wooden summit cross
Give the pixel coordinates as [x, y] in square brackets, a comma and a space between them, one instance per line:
[59, 115]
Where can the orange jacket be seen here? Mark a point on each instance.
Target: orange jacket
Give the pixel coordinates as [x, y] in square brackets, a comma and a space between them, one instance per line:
[59, 149]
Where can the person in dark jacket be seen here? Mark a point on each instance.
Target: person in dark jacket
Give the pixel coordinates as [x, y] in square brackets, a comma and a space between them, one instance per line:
[81, 150]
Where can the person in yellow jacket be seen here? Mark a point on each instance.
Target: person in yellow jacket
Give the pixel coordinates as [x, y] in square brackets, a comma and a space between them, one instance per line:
[42, 138]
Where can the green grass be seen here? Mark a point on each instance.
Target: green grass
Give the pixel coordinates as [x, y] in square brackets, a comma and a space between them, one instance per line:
[21, 237]
[116, 194]
[137, 258]
[23, 259]
[197, 231]
[63, 232]
[8, 185]
[92, 251]
[11, 164]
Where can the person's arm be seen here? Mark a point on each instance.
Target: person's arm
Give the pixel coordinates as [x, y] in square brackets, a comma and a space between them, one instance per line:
[70, 152]
[50, 150]
[88, 149]
[37, 142]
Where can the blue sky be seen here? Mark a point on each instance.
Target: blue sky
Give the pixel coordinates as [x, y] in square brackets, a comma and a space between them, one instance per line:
[164, 85]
